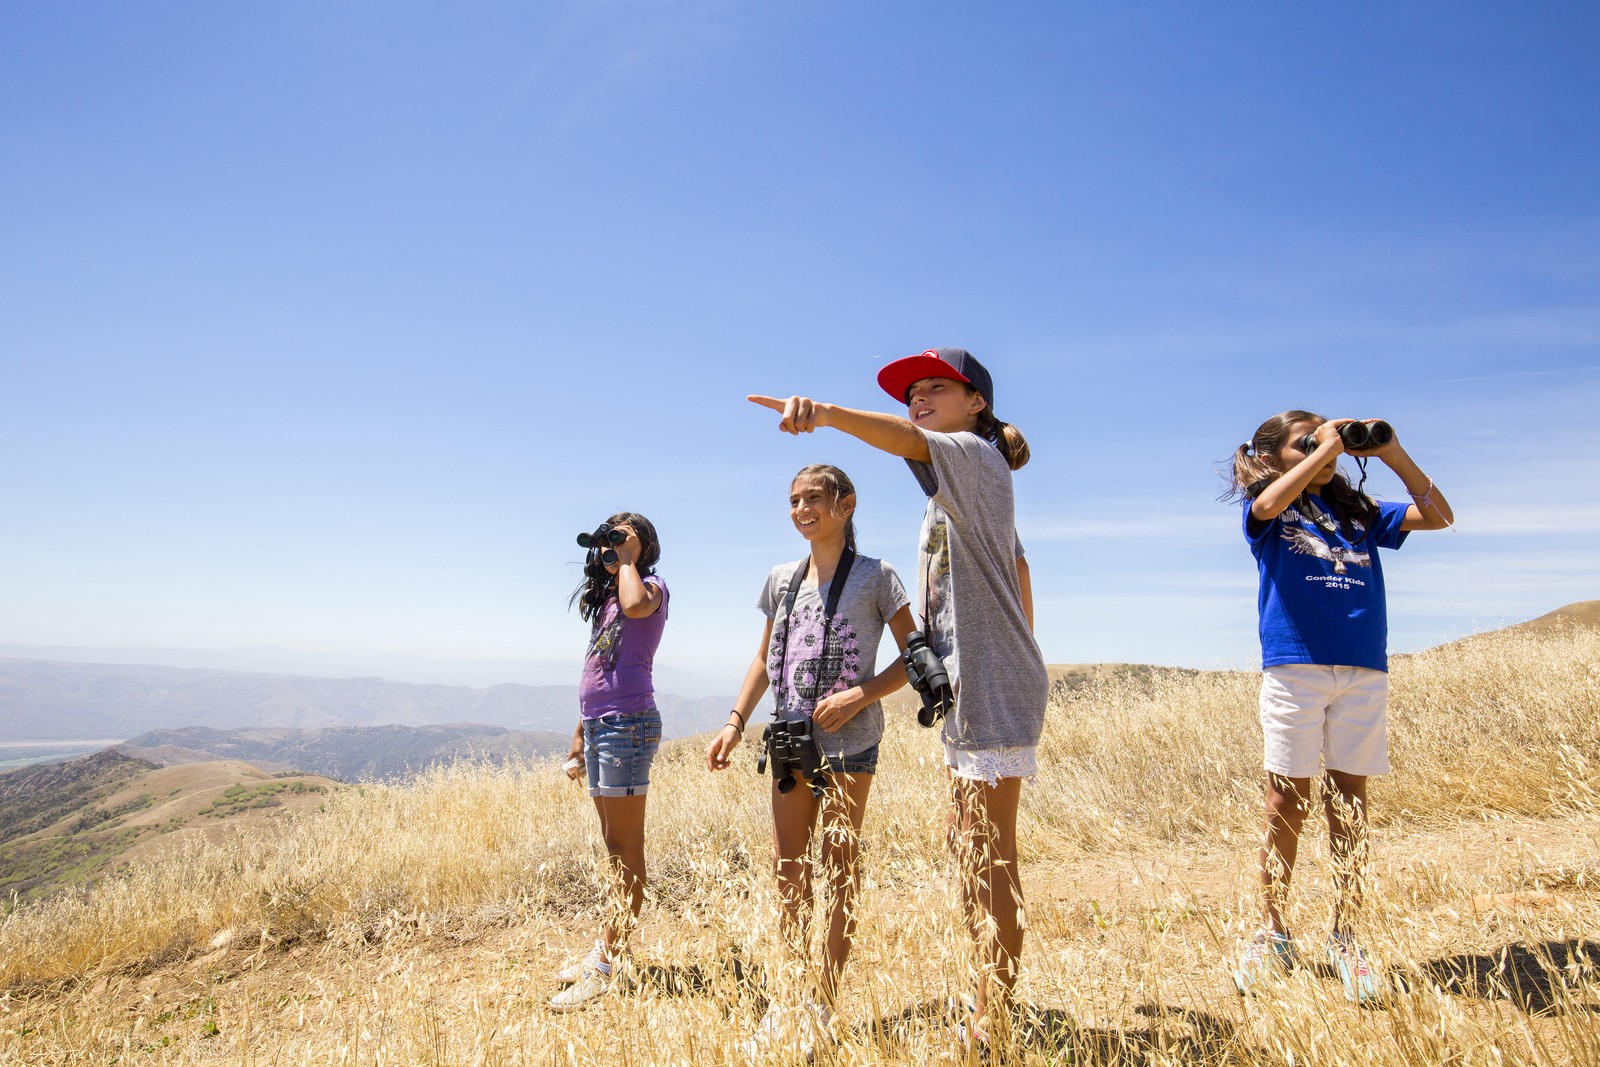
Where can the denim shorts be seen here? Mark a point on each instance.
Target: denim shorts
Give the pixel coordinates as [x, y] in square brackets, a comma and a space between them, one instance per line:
[617, 750]
[863, 762]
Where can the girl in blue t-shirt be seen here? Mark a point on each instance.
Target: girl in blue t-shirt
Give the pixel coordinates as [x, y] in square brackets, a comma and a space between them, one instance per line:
[619, 728]
[1324, 639]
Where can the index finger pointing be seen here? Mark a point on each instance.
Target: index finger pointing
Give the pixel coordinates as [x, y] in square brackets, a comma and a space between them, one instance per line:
[767, 402]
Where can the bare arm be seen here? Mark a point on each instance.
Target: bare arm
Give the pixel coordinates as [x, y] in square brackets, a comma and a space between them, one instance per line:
[888, 433]
[637, 597]
[836, 709]
[1430, 510]
[719, 754]
[576, 752]
[1025, 580]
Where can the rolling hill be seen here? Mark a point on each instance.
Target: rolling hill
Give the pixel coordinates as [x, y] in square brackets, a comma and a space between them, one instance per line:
[66, 824]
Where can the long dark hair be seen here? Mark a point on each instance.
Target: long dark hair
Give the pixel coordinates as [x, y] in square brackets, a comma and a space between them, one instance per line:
[599, 585]
[1255, 466]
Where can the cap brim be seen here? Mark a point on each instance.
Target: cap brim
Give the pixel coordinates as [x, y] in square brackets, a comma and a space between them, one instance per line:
[898, 377]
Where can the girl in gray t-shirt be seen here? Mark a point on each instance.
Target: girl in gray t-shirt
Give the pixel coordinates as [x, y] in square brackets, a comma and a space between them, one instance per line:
[825, 616]
[977, 609]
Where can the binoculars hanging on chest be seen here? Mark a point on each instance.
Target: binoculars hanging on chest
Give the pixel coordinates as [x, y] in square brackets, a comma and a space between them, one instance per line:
[793, 754]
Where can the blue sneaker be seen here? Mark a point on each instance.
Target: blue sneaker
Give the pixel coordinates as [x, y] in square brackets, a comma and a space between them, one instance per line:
[1267, 950]
[1362, 984]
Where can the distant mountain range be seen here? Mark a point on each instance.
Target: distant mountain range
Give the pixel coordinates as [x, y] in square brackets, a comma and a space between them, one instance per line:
[346, 753]
[47, 699]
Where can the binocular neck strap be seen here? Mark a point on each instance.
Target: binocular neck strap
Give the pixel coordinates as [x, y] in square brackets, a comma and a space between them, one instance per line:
[841, 572]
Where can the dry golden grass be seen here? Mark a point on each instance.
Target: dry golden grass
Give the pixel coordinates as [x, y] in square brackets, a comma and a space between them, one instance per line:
[421, 924]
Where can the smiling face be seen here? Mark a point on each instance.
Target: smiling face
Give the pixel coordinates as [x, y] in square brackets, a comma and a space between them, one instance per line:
[815, 512]
[1291, 454]
[943, 405]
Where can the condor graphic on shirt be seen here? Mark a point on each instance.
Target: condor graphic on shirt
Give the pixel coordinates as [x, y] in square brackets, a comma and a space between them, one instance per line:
[818, 660]
[1321, 598]
[1304, 539]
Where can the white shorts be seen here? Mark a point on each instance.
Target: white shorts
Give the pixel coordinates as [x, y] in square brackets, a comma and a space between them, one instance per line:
[992, 764]
[1314, 716]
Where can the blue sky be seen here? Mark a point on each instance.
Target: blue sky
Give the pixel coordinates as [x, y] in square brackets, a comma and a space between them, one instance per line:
[323, 328]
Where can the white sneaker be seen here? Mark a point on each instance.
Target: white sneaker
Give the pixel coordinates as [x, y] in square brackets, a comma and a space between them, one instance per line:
[574, 970]
[816, 1029]
[768, 1032]
[591, 983]
[809, 1029]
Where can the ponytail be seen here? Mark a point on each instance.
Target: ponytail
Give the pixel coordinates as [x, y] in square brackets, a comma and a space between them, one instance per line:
[1252, 473]
[1006, 437]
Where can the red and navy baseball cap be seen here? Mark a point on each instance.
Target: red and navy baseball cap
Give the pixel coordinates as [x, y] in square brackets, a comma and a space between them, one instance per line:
[898, 377]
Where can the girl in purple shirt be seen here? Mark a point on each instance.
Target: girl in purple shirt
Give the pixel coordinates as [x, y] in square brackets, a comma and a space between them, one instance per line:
[618, 732]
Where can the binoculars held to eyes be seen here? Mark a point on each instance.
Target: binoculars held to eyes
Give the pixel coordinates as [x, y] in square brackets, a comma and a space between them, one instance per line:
[794, 754]
[599, 543]
[925, 671]
[1357, 436]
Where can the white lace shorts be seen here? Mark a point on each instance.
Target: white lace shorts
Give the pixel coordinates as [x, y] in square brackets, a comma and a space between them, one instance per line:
[992, 764]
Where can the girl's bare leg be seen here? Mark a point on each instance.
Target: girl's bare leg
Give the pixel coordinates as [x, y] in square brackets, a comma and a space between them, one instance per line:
[843, 807]
[622, 827]
[986, 841]
[794, 814]
[1345, 801]
[1286, 814]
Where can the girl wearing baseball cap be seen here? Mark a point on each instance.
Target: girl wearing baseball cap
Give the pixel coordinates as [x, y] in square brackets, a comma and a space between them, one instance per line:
[977, 615]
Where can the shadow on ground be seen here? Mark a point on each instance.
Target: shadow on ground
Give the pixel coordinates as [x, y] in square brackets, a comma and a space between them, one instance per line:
[1539, 979]
[1174, 1035]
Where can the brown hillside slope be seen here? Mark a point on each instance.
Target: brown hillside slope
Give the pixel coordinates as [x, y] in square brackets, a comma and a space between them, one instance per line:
[1583, 613]
[105, 811]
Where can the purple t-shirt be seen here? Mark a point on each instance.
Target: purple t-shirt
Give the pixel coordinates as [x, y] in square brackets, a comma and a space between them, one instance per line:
[616, 670]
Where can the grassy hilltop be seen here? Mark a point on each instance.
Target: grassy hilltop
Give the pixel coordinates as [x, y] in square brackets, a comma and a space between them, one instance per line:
[422, 923]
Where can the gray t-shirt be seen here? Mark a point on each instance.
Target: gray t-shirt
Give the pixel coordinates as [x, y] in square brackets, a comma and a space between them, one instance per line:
[820, 664]
[971, 597]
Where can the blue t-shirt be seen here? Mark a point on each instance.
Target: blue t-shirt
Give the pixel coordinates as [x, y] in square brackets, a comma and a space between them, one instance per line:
[1321, 597]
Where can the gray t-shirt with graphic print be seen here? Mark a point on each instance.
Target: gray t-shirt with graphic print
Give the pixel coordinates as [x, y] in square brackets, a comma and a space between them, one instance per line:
[971, 598]
[818, 663]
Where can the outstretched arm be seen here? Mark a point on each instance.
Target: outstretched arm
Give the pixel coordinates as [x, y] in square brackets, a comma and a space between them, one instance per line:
[889, 433]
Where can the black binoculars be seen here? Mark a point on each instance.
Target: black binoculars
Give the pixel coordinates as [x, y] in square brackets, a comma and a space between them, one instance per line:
[925, 671]
[599, 542]
[1357, 436]
[794, 755]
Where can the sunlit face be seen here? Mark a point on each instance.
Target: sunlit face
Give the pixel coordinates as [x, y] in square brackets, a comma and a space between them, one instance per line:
[814, 512]
[1291, 454]
[943, 405]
